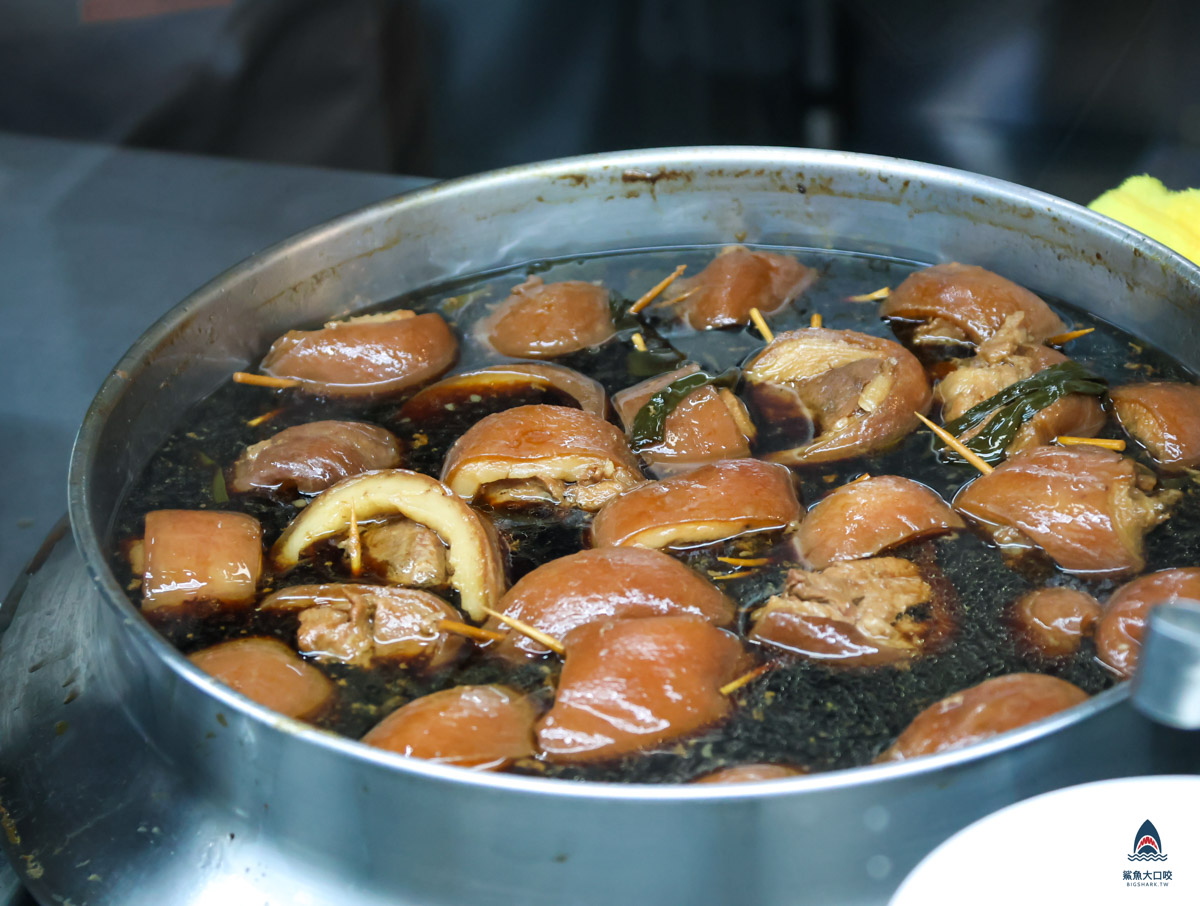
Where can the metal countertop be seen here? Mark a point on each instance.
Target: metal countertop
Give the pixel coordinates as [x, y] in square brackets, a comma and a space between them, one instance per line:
[96, 243]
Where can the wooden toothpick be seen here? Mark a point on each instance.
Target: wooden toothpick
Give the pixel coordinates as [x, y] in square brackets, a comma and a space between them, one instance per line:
[529, 631]
[653, 292]
[761, 323]
[956, 445]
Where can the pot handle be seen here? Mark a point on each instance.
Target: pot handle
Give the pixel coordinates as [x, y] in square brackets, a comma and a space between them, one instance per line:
[1166, 687]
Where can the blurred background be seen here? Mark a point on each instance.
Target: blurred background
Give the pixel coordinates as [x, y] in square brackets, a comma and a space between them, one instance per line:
[1063, 95]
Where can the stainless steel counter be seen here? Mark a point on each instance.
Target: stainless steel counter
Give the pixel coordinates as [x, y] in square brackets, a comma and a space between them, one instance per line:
[95, 244]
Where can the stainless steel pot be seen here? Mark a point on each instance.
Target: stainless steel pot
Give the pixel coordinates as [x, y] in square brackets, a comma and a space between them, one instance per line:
[128, 776]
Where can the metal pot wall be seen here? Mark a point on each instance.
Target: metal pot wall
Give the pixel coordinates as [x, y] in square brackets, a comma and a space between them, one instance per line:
[126, 775]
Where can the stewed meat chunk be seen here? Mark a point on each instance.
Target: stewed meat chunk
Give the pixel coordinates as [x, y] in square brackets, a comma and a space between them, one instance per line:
[204, 556]
[599, 584]
[268, 672]
[629, 685]
[310, 457]
[404, 552]
[484, 728]
[708, 424]
[725, 500]
[1087, 508]
[1008, 356]
[474, 563]
[1055, 620]
[858, 392]
[1119, 633]
[371, 355]
[1163, 417]
[973, 715]
[959, 303]
[860, 612]
[736, 281]
[363, 624]
[545, 454]
[542, 320]
[866, 517]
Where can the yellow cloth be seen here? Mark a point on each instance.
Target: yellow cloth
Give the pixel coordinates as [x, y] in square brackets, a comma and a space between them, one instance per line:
[1144, 203]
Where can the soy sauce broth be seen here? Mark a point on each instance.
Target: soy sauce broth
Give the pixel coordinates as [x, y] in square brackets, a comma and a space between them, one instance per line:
[801, 713]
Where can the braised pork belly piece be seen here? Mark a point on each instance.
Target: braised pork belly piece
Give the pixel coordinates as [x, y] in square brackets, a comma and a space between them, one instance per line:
[1055, 620]
[859, 393]
[542, 320]
[474, 563]
[492, 385]
[484, 728]
[309, 458]
[1008, 356]
[364, 624]
[367, 356]
[959, 304]
[710, 423]
[868, 516]
[592, 585]
[1119, 633]
[203, 559]
[980, 712]
[1164, 418]
[269, 672]
[1088, 509]
[863, 612]
[736, 281]
[630, 685]
[713, 503]
[541, 454]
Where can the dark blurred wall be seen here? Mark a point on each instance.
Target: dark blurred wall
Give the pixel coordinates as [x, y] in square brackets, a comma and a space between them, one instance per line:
[1065, 95]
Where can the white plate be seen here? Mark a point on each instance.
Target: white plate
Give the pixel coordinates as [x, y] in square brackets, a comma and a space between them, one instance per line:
[1073, 846]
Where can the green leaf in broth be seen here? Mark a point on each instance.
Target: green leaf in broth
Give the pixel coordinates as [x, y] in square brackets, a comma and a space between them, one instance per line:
[1016, 404]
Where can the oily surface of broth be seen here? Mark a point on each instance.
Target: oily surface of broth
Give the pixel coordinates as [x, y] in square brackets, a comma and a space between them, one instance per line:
[801, 713]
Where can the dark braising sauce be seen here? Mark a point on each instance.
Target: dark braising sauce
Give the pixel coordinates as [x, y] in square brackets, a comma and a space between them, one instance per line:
[801, 713]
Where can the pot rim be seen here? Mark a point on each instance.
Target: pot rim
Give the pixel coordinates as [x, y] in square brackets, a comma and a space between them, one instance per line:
[648, 161]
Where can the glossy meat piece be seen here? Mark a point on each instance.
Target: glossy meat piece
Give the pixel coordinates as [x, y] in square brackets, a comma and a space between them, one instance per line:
[866, 517]
[542, 320]
[723, 500]
[707, 425]
[514, 379]
[268, 672]
[855, 613]
[573, 456]
[591, 585]
[736, 281]
[994, 706]
[629, 685]
[1087, 508]
[405, 553]
[1119, 633]
[750, 773]
[859, 391]
[372, 355]
[1055, 620]
[473, 559]
[964, 302]
[480, 727]
[1009, 356]
[204, 556]
[313, 456]
[1164, 418]
[362, 624]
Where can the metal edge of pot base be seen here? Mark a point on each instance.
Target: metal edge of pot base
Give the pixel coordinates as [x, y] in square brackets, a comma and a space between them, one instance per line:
[271, 806]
